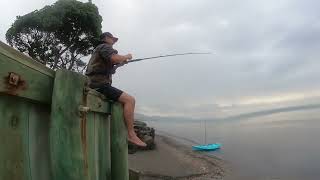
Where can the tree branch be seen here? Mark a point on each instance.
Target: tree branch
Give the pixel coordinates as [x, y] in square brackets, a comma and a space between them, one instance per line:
[59, 55]
[72, 60]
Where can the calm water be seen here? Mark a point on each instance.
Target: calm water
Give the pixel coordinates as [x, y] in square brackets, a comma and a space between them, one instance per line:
[278, 146]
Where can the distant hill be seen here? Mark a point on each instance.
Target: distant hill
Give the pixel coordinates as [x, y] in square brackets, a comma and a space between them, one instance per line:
[272, 111]
[235, 117]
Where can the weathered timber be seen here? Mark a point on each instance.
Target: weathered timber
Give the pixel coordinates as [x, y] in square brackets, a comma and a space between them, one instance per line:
[54, 127]
[68, 144]
[24, 152]
[19, 76]
[24, 59]
[119, 144]
[97, 102]
[80, 131]
[25, 99]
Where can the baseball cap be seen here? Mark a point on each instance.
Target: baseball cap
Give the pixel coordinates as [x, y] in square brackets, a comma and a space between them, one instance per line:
[108, 34]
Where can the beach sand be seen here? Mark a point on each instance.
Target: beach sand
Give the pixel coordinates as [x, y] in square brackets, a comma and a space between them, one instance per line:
[173, 160]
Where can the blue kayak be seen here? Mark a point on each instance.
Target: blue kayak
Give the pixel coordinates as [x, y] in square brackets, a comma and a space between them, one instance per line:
[207, 147]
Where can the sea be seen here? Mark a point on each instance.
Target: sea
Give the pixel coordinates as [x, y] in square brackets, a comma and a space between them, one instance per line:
[275, 144]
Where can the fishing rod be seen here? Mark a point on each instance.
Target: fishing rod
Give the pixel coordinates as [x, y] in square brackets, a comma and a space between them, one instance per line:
[156, 57]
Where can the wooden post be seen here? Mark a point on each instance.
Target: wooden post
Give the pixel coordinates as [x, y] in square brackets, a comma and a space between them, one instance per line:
[119, 144]
[67, 129]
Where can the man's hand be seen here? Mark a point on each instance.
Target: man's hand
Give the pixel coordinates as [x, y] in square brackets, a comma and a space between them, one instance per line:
[120, 59]
[129, 56]
[125, 61]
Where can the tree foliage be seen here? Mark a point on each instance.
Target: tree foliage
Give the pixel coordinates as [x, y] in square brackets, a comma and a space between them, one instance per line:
[58, 35]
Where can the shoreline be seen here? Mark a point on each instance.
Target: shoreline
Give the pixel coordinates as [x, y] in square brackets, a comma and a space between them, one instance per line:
[173, 160]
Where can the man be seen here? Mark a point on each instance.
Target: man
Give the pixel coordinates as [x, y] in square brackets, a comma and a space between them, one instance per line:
[100, 69]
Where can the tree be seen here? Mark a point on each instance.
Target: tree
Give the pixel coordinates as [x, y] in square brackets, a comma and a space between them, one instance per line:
[58, 35]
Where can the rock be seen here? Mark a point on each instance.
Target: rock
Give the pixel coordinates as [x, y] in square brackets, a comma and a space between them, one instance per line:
[146, 134]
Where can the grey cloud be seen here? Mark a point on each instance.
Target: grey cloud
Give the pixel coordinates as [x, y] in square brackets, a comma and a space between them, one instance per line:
[260, 48]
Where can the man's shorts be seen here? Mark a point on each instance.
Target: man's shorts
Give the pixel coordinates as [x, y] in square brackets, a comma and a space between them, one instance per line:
[109, 91]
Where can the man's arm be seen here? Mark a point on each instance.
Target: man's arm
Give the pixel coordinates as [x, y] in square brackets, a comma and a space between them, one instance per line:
[119, 59]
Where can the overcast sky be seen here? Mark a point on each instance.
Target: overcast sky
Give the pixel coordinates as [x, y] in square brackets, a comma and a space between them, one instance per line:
[266, 53]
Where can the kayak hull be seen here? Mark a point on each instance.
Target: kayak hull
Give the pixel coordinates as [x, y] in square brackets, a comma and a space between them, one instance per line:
[207, 147]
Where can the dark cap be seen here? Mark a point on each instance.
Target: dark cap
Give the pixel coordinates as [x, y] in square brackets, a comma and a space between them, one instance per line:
[107, 34]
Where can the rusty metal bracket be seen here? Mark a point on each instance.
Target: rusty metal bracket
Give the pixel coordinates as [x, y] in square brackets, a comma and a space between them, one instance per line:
[14, 79]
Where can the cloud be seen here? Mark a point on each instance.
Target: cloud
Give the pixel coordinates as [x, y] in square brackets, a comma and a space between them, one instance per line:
[263, 50]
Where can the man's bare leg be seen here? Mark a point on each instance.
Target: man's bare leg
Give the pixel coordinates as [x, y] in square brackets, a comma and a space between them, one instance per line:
[128, 108]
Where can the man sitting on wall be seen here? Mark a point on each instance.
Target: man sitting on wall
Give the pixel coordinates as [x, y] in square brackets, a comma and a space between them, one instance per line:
[100, 69]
